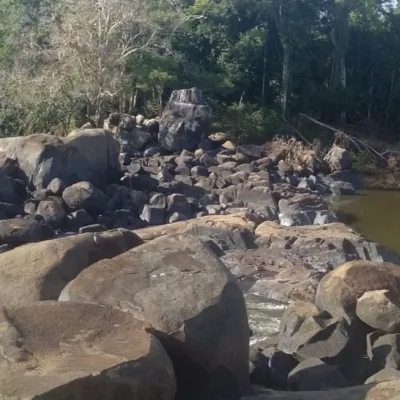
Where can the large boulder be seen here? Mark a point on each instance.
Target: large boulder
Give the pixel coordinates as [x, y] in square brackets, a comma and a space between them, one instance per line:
[314, 374]
[382, 391]
[39, 271]
[261, 200]
[56, 186]
[194, 304]
[52, 212]
[280, 364]
[184, 121]
[84, 155]
[290, 261]
[380, 310]
[385, 375]
[300, 209]
[7, 190]
[384, 351]
[66, 351]
[83, 195]
[132, 140]
[308, 332]
[8, 165]
[17, 231]
[339, 290]
[242, 222]
[77, 220]
[8, 210]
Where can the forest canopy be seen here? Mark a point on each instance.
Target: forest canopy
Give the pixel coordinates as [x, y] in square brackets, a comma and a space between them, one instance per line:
[258, 62]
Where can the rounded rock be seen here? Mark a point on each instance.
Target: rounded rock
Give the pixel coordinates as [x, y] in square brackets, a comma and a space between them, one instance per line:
[81, 351]
[380, 310]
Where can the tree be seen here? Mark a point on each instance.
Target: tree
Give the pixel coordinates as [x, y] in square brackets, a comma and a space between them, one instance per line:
[337, 60]
[95, 40]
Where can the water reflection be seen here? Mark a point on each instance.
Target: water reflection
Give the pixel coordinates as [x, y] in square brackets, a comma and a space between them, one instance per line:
[347, 218]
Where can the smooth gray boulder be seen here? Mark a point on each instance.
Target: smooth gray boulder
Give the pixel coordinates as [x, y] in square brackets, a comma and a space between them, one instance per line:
[65, 351]
[17, 231]
[52, 212]
[339, 290]
[314, 374]
[193, 303]
[384, 351]
[84, 155]
[385, 375]
[7, 190]
[56, 186]
[40, 271]
[83, 195]
[380, 309]
[308, 332]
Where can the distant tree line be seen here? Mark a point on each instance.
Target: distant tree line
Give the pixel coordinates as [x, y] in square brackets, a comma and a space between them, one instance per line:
[258, 62]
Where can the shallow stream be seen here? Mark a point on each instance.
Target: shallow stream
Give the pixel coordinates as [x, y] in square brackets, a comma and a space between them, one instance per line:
[264, 317]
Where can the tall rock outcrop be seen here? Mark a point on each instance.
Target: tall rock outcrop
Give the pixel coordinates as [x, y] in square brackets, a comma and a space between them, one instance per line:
[184, 121]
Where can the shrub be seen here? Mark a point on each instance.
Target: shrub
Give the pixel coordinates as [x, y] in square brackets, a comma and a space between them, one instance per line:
[247, 123]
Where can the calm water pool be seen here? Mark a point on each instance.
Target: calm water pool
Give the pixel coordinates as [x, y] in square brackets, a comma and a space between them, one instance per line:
[375, 214]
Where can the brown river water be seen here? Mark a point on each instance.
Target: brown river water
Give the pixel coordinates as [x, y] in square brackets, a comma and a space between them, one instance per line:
[375, 214]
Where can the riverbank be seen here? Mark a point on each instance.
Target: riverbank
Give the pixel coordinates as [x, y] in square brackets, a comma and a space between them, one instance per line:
[130, 271]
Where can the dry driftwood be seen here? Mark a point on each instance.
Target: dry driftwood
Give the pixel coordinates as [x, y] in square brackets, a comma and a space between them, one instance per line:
[360, 144]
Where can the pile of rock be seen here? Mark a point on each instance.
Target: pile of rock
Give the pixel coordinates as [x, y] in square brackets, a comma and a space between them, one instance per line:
[160, 320]
[156, 314]
[84, 183]
[99, 311]
[182, 126]
[349, 336]
[55, 186]
[287, 263]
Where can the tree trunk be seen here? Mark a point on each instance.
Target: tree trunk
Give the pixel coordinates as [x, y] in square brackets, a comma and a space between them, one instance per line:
[371, 92]
[338, 78]
[285, 77]
[99, 114]
[389, 105]
[340, 41]
[160, 97]
[264, 78]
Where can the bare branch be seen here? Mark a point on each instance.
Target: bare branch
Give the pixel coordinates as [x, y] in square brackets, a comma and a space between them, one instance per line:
[358, 143]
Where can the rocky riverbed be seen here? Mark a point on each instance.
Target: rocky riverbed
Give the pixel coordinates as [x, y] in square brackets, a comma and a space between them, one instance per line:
[126, 275]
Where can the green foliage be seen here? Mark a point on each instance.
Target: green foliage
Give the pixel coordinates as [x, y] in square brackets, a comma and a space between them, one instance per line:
[247, 123]
[59, 61]
[9, 28]
[55, 115]
[363, 161]
[11, 121]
